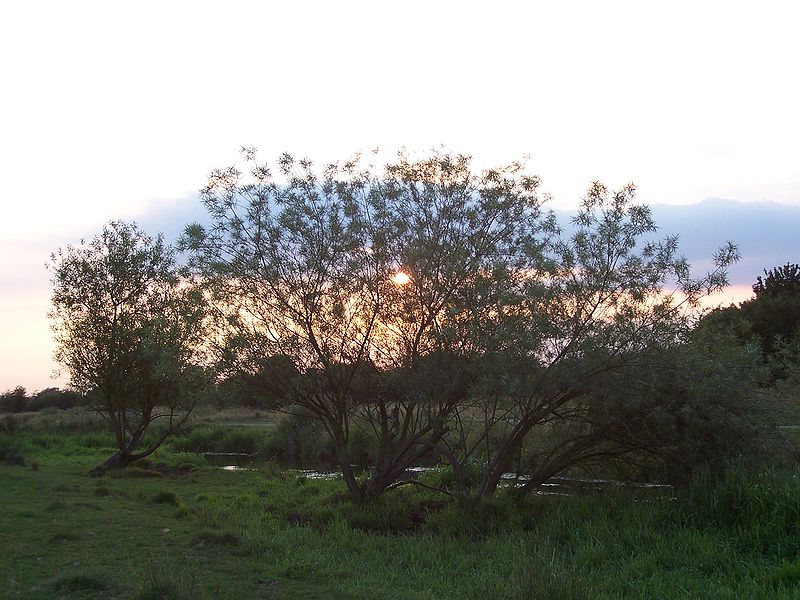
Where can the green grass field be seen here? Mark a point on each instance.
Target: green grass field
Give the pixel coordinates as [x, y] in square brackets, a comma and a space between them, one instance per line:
[180, 529]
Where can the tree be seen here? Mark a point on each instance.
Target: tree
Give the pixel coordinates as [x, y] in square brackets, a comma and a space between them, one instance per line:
[772, 318]
[15, 400]
[697, 405]
[605, 294]
[778, 281]
[438, 309]
[129, 333]
[366, 281]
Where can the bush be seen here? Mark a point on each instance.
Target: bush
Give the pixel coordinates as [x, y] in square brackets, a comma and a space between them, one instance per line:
[221, 438]
[164, 497]
[695, 407]
[215, 537]
[8, 423]
[95, 585]
[299, 439]
[54, 398]
[15, 400]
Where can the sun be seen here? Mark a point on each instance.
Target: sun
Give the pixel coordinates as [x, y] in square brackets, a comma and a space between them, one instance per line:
[401, 278]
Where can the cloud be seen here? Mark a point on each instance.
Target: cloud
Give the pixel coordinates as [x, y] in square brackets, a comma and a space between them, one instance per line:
[766, 233]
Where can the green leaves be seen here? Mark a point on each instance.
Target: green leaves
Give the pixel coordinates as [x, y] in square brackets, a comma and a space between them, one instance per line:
[128, 328]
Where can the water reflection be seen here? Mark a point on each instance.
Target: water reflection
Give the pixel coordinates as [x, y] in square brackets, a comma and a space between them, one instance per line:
[555, 486]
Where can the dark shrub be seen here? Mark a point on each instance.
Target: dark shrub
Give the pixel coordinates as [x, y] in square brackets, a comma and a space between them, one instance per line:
[299, 439]
[9, 423]
[15, 400]
[221, 438]
[81, 583]
[54, 398]
[695, 407]
[214, 537]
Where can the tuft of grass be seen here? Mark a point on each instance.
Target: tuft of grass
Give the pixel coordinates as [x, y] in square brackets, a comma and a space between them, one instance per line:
[170, 459]
[211, 537]
[138, 470]
[63, 537]
[164, 497]
[786, 575]
[82, 583]
[477, 518]
[542, 579]
[163, 582]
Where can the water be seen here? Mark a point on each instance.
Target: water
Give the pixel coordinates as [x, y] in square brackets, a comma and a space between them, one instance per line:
[555, 486]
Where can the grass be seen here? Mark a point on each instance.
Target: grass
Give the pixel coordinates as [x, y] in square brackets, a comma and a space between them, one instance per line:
[204, 532]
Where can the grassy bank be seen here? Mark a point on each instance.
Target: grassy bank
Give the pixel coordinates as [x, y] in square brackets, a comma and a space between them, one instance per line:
[184, 530]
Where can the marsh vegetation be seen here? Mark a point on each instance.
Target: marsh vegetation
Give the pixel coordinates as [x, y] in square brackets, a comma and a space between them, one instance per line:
[173, 526]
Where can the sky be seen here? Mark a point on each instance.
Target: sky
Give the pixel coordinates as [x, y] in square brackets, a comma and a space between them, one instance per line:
[120, 110]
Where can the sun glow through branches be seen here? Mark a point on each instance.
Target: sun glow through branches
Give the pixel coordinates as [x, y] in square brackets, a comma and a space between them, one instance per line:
[401, 278]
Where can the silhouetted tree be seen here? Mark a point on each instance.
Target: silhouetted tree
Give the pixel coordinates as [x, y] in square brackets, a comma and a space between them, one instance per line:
[778, 281]
[15, 400]
[494, 336]
[307, 269]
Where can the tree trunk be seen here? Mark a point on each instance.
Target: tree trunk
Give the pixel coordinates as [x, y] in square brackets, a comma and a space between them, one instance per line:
[120, 458]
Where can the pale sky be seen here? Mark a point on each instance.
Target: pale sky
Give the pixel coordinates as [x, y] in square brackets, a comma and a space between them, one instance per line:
[120, 110]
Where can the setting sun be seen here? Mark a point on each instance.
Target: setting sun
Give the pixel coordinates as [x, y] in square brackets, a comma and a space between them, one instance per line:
[401, 278]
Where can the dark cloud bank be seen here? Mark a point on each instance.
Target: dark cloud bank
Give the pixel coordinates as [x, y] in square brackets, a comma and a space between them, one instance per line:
[766, 233]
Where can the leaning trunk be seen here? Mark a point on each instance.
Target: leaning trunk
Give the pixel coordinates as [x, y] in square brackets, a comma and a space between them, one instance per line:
[120, 459]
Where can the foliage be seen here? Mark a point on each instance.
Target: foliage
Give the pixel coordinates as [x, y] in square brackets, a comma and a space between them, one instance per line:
[96, 586]
[11, 452]
[569, 336]
[501, 324]
[772, 318]
[219, 438]
[778, 281]
[128, 332]
[15, 400]
[304, 270]
[697, 406]
[162, 582]
[54, 397]
[265, 533]
[18, 400]
[261, 389]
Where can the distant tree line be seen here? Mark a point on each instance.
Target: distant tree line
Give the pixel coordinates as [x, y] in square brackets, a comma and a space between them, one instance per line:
[18, 400]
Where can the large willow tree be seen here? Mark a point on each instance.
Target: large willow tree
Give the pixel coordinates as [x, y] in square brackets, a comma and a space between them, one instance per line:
[436, 307]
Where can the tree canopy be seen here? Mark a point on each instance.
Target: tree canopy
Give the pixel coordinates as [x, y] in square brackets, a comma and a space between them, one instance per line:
[486, 348]
[129, 333]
